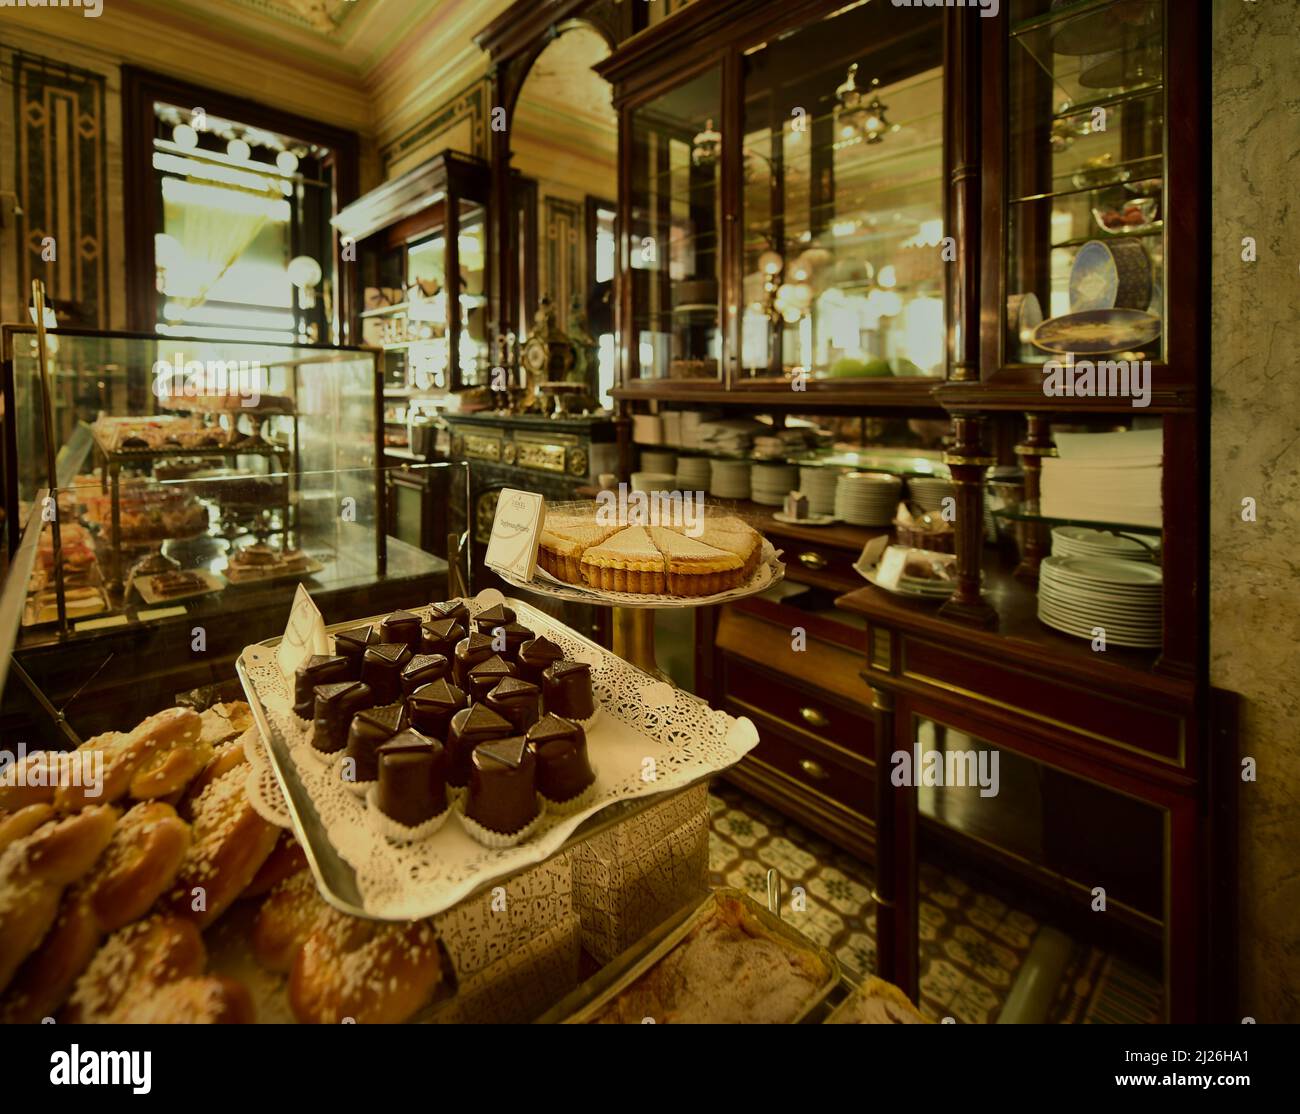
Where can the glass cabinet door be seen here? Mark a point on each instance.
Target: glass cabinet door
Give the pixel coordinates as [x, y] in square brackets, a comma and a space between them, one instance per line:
[674, 232]
[472, 354]
[842, 164]
[1085, 180]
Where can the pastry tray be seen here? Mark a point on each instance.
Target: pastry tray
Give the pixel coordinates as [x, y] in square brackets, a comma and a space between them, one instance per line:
[692, 742]
[211, 583]
[580, 1006]
[239, 578]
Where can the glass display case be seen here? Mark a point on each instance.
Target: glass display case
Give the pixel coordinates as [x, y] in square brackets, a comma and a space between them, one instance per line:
[673, 241]
[842, 169]
[420, 288]
[197, 481]
[1085, 180]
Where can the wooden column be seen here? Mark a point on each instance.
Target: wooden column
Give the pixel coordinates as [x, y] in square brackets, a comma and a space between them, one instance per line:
[968, 461]
[1035, 543]
[895, 891]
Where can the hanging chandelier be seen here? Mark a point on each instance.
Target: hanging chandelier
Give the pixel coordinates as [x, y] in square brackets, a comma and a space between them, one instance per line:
[706, 147]
[859, 119]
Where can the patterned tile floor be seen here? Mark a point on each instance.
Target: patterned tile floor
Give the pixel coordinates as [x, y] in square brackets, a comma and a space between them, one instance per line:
[973, 943]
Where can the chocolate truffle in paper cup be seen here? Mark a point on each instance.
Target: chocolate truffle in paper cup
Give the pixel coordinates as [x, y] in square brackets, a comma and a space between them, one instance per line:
[335, 705]
[370, 730]
[457, 609]
[431, 707]
[470, 727]
[440, 636]
[411, 794]
[566, 691]
[502, 799]
[517, 701]
[565, 778]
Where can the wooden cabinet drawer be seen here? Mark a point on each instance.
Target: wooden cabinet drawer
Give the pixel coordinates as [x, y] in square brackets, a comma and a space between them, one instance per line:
[796, 702]
[813, 563]
[817, 768]
[1140, 727]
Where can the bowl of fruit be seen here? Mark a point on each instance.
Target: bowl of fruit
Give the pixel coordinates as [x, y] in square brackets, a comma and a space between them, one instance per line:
[1135, 215]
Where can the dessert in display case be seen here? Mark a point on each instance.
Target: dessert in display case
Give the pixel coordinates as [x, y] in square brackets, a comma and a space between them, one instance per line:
[1085, 187]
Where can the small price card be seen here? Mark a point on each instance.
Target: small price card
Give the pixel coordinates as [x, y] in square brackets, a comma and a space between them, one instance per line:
[304, 634]
[512, 547]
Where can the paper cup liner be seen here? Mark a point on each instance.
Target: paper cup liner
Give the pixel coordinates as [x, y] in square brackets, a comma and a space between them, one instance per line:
[395, 831]
[590, 722]
[322, 757]
[573, 804]
[498, 840]
[357, 788]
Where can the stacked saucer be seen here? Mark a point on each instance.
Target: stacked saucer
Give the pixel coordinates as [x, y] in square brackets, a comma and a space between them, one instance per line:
[729, 479]
[819, 485]
[867, 498]
[1123, 597]
[1080, 541]
[929, 492]
[693, 473]
[771, 483]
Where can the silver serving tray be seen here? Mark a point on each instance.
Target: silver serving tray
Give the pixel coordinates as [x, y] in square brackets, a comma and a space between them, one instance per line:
[335, 877]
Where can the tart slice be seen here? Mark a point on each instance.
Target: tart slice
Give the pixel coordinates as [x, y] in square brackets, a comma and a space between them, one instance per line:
[627, 562]
[734, 536]
[563, 540]
[694, 567]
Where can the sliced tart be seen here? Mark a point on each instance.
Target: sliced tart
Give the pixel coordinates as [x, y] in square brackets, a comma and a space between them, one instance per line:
[627, 562]
[734, 536]
[694, 567]
[562, 541]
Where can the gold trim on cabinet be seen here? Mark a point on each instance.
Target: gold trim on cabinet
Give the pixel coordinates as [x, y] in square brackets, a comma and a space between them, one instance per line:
[767, 766]
[882, 646]
[785, 724]
[539, 455]
[813, 717]
[1051, 721]
[478, 446]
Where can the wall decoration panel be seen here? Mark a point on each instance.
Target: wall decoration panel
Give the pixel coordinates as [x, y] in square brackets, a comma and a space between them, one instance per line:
[60, 176]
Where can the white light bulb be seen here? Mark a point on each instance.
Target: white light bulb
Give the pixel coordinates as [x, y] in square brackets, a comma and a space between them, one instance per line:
[287, 162]
[238, 150]
[185, 137]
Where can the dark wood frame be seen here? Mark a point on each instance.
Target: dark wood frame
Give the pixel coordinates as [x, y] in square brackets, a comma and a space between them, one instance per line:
[140, 89]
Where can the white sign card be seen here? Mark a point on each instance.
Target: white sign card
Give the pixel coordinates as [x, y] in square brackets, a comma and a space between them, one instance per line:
[512, 547]
[304, 634]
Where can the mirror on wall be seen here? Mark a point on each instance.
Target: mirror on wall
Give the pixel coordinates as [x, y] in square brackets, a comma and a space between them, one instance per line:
[564, 161]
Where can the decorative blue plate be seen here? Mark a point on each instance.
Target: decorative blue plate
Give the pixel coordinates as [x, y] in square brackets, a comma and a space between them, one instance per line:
[1097, 331]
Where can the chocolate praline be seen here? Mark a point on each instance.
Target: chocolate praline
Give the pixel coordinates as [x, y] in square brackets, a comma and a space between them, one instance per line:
[534, 656]
[507, 640]
[485, 676]
[563, 769]
[381, 669]
[502, 793]
[403, 627]
[566, 690]
[470, 727]
[470, 650]
[423, 669]
[335, 705]
[352, 645]
[412, 778]
[516, 700]
[432, 706]
[450, 609]
[370, 730]
[491, 617]
[319, 669]
[439, 636]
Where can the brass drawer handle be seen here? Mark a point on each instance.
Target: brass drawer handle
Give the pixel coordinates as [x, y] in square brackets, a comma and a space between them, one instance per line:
[813, 718]
[811, 560]
[813, 769]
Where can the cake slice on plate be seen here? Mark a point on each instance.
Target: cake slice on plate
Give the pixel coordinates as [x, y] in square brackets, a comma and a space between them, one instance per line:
[696, 568]
[563, 539]
[627, 562]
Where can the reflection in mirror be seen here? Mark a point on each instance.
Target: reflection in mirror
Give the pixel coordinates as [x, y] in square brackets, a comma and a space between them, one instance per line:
[564, 149]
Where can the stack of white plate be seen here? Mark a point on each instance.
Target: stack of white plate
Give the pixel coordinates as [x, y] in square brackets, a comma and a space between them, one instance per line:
[867, 498]
[819, 485]
[729, 479]
[1080, 541]
[658, 460]
[1079, 594]
[693, 473]
[929, 492]
[771, 483]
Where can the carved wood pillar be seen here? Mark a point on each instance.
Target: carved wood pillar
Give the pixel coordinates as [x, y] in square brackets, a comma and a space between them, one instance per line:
[968, 460]
[1035, 542]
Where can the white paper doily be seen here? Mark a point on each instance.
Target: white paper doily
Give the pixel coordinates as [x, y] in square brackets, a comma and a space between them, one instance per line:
[652, 738]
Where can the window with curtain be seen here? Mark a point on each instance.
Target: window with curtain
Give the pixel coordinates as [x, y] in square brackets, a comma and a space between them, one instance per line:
[243, 244]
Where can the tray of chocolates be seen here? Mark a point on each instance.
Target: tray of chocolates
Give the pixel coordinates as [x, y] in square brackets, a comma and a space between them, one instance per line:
[433, 751]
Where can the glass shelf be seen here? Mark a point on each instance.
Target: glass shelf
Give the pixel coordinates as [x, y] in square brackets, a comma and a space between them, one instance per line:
[1021, 513]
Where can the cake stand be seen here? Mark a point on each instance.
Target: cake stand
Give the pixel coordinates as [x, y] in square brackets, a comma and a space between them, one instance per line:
[633, 614]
